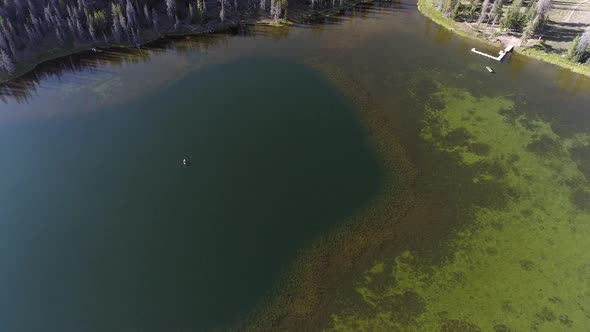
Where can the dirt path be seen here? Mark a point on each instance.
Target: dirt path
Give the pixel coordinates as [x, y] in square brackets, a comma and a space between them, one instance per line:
[574, 10]
[567, 19]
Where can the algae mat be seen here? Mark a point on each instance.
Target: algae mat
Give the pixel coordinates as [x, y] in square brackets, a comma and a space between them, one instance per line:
[521, 266]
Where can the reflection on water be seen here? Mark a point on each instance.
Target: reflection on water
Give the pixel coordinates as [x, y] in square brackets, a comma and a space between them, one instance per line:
[85, 65]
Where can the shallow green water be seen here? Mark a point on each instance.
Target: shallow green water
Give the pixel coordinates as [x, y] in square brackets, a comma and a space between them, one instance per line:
[463, 197]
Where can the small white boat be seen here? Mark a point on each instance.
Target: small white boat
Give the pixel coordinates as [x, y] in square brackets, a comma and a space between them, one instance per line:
[489, 69]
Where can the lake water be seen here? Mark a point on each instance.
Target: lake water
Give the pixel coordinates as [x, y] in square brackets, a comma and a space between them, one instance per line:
[343, 175]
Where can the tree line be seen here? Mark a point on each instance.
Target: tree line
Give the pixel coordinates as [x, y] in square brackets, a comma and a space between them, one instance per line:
[580, 49]
[527, 17]
[516, 15]
[29, 26]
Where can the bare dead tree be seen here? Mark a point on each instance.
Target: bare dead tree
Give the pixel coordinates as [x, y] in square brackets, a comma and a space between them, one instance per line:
[543, 6]
[484, 10]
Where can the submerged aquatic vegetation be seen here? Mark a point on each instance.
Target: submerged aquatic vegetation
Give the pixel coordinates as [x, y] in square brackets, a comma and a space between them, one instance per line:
[523, 265]
[306, 296]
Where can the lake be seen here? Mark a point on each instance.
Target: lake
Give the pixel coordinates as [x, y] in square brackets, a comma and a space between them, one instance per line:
[364, 172]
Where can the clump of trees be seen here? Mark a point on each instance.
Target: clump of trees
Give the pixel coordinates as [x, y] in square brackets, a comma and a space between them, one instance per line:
[580, 49]
[30, 26]
[526, 16]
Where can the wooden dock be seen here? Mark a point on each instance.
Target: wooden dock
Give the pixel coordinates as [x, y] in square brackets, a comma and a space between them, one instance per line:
[500, 56]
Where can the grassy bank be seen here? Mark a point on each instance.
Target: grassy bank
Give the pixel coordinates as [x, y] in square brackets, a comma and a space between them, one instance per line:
[431, 12]
[556, 59]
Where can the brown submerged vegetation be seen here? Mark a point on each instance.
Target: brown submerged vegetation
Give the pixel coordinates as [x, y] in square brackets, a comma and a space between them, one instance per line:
[305, 297]
[412, 212]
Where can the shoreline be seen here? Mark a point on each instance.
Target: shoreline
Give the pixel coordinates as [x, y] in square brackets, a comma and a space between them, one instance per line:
[423, 6]
[40, 59]
[437, 17]
[150, 37]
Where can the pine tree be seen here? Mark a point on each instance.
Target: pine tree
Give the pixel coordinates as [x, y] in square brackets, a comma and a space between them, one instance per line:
[131, 15]
[155, 21]
[116, 27]
[275, 9]
[6, 62]
[494, 11]
[171, 8]
[60, 37]
[200, 10]
[285, 5]
[530, 28]
[584, 42]
[90, 22]
[456, 10]
[513, 18]
[543, 6]
[484, 10]
[146, 14]
[79, 28]
[222, 11]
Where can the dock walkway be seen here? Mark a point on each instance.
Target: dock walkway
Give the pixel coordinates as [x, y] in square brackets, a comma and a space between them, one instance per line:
[500, 56]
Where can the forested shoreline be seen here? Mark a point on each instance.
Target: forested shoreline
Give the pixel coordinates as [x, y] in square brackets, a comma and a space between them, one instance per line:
[524, 20]
[29, 28]
[33, 31]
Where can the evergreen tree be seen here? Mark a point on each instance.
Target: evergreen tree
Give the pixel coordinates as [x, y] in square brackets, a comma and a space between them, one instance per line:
[513, 17]
[530, 28]
[573, 49]
[496, 12]
[6, 63]
[200, 10]
[131, 16]
[584, 42]
[155, 21]
[222, 11]
[146, 14]
[275, 9]
[456, 10]
[171, 8]
[116, 28]
[542, 7]
[484, 11]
